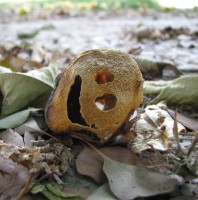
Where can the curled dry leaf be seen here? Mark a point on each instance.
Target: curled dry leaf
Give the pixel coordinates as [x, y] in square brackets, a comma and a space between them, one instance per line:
[154, 129]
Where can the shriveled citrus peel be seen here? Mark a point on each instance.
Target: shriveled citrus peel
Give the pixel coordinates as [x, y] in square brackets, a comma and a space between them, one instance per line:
[95, 94]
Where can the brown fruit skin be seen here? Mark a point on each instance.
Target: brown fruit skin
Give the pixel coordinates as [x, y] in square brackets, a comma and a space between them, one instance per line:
[126, 85]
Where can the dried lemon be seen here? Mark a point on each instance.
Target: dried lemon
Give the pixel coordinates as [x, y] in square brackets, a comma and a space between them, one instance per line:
[95, 94]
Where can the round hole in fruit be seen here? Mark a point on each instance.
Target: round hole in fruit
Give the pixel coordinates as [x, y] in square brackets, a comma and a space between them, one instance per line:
[103, 76]
[106, 102]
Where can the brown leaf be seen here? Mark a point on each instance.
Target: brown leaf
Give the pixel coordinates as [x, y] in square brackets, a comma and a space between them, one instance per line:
[12, 176]
[186, 121]
[126, 138]
[90, 163]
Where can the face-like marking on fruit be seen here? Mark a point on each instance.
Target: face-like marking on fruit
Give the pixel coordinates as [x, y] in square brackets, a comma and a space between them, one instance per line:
[95, 94]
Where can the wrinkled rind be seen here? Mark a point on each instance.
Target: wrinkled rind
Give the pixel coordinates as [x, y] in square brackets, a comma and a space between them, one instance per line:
[127, 87]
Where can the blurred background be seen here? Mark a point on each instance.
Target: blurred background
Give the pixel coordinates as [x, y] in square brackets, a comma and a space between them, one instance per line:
[32, 33]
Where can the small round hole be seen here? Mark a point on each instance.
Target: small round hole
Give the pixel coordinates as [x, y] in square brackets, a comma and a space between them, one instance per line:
[106, 102]
[103, 76]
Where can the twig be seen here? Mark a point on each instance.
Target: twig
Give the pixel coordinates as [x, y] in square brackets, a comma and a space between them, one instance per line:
[27, 184]
[89, 144]
[176, 134]
[192, 147]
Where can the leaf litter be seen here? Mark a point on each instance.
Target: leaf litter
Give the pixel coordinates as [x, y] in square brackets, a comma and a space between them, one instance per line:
[33, 155]
[130, 182]
[148, 173]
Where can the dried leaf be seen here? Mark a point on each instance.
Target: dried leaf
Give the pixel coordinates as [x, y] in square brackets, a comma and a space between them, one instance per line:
[6, 63]
[186, 121]
[152, 69]
[18, 64]
[13, 177]
[28, 138]
[12, 137]
[154, 129]
[102, 193]
[129, 181]
[40, 55]
[90, 163]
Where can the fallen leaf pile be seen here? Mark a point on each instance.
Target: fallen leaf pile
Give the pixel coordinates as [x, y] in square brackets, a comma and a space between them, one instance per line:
[154, 129]
[22, 155]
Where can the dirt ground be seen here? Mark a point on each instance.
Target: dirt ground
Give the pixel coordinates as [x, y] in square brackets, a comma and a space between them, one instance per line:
[115, 30]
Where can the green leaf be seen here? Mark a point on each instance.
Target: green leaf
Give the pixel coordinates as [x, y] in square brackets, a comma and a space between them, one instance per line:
[154, 87]
[37, 188]
[16, 119]
[20, 90]
[54, 193]
[130, 181]
[27, 35]
[46, 74]
[58, 192]
[102, 193]
[180, 91]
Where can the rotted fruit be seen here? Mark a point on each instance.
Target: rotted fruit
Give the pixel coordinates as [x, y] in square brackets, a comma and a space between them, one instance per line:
[95, 94]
